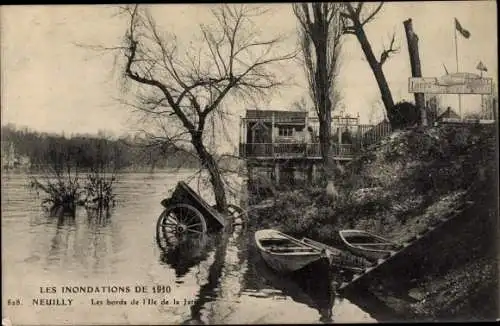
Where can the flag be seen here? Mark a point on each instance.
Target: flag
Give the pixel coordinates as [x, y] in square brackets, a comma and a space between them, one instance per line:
[465, 33]
[480, 66]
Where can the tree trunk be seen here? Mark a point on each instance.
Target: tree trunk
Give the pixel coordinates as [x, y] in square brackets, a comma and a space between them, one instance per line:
[324, 136]
[209, 162]
[376, 68]
[412, 39]
[323, 102]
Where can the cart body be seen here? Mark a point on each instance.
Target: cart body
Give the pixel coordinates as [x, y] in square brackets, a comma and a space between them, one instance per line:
[183, 194]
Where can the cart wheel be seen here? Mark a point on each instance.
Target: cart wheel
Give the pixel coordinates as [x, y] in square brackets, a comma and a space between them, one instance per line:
[235, 211]
[178, 223]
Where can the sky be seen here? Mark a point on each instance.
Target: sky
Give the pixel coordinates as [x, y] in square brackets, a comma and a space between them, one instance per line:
[49, 83]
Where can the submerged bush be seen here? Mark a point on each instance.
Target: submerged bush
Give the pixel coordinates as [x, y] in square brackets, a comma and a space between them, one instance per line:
[99, 191]
[61, 191]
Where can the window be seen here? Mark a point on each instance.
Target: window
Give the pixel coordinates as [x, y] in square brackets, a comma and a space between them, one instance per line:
[285, 131]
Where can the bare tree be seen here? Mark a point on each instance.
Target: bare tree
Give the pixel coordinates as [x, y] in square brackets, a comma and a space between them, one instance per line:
[300, 104]
[320, 34]
[354, 21]
[185, 91]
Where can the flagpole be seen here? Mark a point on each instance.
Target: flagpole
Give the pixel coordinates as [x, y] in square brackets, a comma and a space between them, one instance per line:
[456, 44]
[456, 58]
[482, 100]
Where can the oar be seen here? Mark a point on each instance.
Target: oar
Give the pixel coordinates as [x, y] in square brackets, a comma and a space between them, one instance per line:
[372, 244]
[318, 244]
[330, 253]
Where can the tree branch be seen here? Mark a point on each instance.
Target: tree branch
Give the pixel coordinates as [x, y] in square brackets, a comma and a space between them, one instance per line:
[358, 9]
[372, 15]
[153, 82]
[387, 52]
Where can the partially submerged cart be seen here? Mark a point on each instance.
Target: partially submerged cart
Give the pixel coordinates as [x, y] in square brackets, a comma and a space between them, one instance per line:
[188, 217]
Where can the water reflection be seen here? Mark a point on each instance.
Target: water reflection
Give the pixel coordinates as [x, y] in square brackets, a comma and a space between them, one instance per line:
[78, 242]
[206, 293]
[228, 305]
[99, 240]
[64, 234]
[98, 216]
[185, 254]
[315, 282]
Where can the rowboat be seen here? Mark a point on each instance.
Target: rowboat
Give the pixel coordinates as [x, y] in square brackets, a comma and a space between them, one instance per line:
[284, 253]
[368, 245]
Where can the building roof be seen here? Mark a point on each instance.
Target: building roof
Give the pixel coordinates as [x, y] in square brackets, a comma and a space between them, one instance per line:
[268, 114]
[449, 114]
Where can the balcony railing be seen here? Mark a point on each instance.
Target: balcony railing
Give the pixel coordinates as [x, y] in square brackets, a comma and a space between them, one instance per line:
[344, 150]
[283, 120]
[292, 150]
[280, 150]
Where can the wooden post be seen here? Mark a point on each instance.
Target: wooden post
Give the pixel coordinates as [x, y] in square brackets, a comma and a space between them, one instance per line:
[412, 39]
[272, 135]
[250, 172]
[277, 173]
[241, 137]
[310, 173]
[494, 108]
[243, 132]
[361, 136]
[340, 137]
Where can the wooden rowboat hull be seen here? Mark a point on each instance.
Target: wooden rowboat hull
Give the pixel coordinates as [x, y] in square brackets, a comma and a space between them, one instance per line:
[368, 245]
[279, 258]
[370, 253]
[290, 263]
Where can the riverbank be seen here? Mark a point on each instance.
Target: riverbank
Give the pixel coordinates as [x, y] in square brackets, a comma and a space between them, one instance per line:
[398, 188]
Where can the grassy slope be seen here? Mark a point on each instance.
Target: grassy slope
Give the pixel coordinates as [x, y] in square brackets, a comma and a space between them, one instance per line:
[397, 188]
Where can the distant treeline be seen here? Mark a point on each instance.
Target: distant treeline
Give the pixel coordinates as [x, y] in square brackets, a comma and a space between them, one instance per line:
[91, 151]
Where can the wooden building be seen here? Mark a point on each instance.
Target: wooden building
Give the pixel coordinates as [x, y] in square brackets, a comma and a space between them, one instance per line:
[285, 146]
[282, 145]
[268, 135]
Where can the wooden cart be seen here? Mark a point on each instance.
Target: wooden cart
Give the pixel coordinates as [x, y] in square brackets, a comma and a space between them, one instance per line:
[187, 217]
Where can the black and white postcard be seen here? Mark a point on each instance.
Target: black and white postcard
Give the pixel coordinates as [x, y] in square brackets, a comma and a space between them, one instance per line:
[272, 163]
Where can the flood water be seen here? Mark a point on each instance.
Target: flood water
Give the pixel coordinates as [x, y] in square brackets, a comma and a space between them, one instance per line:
[60, 259]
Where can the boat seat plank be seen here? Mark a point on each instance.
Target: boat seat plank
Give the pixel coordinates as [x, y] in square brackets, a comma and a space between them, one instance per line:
[373, 244]
[291, 249]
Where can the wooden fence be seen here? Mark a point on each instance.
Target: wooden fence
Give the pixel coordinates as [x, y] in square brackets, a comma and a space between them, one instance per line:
[279, 150]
